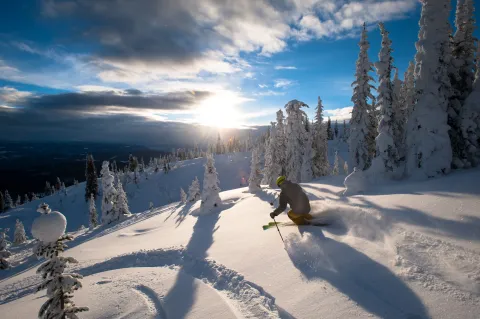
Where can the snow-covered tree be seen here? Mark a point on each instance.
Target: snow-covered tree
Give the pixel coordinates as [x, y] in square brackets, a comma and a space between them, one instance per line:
[194, 190]
[471, 120]
[121, 203]
[409, 90]
[91, 184]
[385, 143]
[461, 74]
[75, 182]
[8, 201]
[211, 185]
[272, 168]
[255, 172]
[183, 196]
[19, 236]
[92, 213]
[26, 199]
[361, 141]
[4, 253]
[345, 168]
[48, 188]
[63, 189]
[60, 286]
[429, 149]
[329, 129]
[336, 169]
[398, 105]
[19, 201]
[320, 164]
[295, 132]
[281, 143]
[58, 184]
[307, 158]
[109, 195]
[34, 197]
[335, 128]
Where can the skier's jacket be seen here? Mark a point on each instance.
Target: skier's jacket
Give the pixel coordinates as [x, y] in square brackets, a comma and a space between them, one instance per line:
[293, 195]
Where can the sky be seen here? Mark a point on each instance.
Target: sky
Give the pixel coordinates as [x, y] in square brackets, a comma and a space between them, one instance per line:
[115, 70]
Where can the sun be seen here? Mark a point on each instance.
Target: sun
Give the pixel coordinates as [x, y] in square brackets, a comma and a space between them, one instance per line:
[220, 111]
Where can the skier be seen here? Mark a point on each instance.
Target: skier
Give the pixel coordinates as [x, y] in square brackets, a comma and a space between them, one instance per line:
[293, 195]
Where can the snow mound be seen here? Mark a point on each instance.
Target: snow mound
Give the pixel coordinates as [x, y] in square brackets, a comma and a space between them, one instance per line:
[250, 299]
[49, 227]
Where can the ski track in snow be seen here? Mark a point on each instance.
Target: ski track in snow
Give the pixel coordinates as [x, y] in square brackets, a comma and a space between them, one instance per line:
[439, 265]
[154, 304]
[251, 299]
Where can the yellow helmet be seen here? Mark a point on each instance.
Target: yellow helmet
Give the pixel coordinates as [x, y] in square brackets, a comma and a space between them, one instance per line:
[280, 180]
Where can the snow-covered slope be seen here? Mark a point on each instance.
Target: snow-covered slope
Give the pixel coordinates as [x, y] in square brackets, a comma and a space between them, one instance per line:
[159, 188]
[404, 250]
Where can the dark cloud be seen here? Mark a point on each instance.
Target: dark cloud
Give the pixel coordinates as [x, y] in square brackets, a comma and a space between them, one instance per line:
[69, 116]
[25, 125]
[174, 31]
[131, 98]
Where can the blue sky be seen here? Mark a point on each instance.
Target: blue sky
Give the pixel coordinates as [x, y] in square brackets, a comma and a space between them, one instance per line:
[218, 63]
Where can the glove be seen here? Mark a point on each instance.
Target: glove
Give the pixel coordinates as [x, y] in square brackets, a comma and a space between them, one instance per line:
[273, 215]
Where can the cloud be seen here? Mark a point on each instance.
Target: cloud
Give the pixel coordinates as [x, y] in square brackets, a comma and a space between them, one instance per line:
[281, 67]
[339, 114]
[284, 83]
[262, 86]
[340, 19]
[9, 95]
[163, 38]
[269, 93]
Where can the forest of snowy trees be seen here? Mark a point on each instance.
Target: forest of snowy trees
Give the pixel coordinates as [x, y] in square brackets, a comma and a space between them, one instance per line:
[429, 123]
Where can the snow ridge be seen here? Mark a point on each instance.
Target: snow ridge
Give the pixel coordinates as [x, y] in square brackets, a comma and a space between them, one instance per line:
[251, 299]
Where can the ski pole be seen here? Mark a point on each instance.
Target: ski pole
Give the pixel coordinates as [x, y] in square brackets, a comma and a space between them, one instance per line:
[278, 229]
[274, 199]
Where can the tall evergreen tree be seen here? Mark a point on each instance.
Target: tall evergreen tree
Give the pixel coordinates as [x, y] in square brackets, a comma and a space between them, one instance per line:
[471, 120]
[255, 172]
[92, 213]
[320, 164]
[335, 128]
[361, 141]
[329, 129]
[281, 143]
[409, 90]
[91, 184]
[183, 196]
[121, 203]
[398, 106]
[109, 195]
[336, 168]
[386, 150]
[194, 190]
[8, 201]
[272, 166]
[19, 236]
[461, 74]
[211, 185]
[59, 285]
[306, 174]
[48, 189]
[430, 152]
[295, 132]
[4, 253]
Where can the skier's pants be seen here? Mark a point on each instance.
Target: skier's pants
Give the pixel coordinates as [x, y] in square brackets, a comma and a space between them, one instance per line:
[299, 219]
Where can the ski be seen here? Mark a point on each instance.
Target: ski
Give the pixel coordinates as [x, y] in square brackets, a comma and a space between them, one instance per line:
[284, 224]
